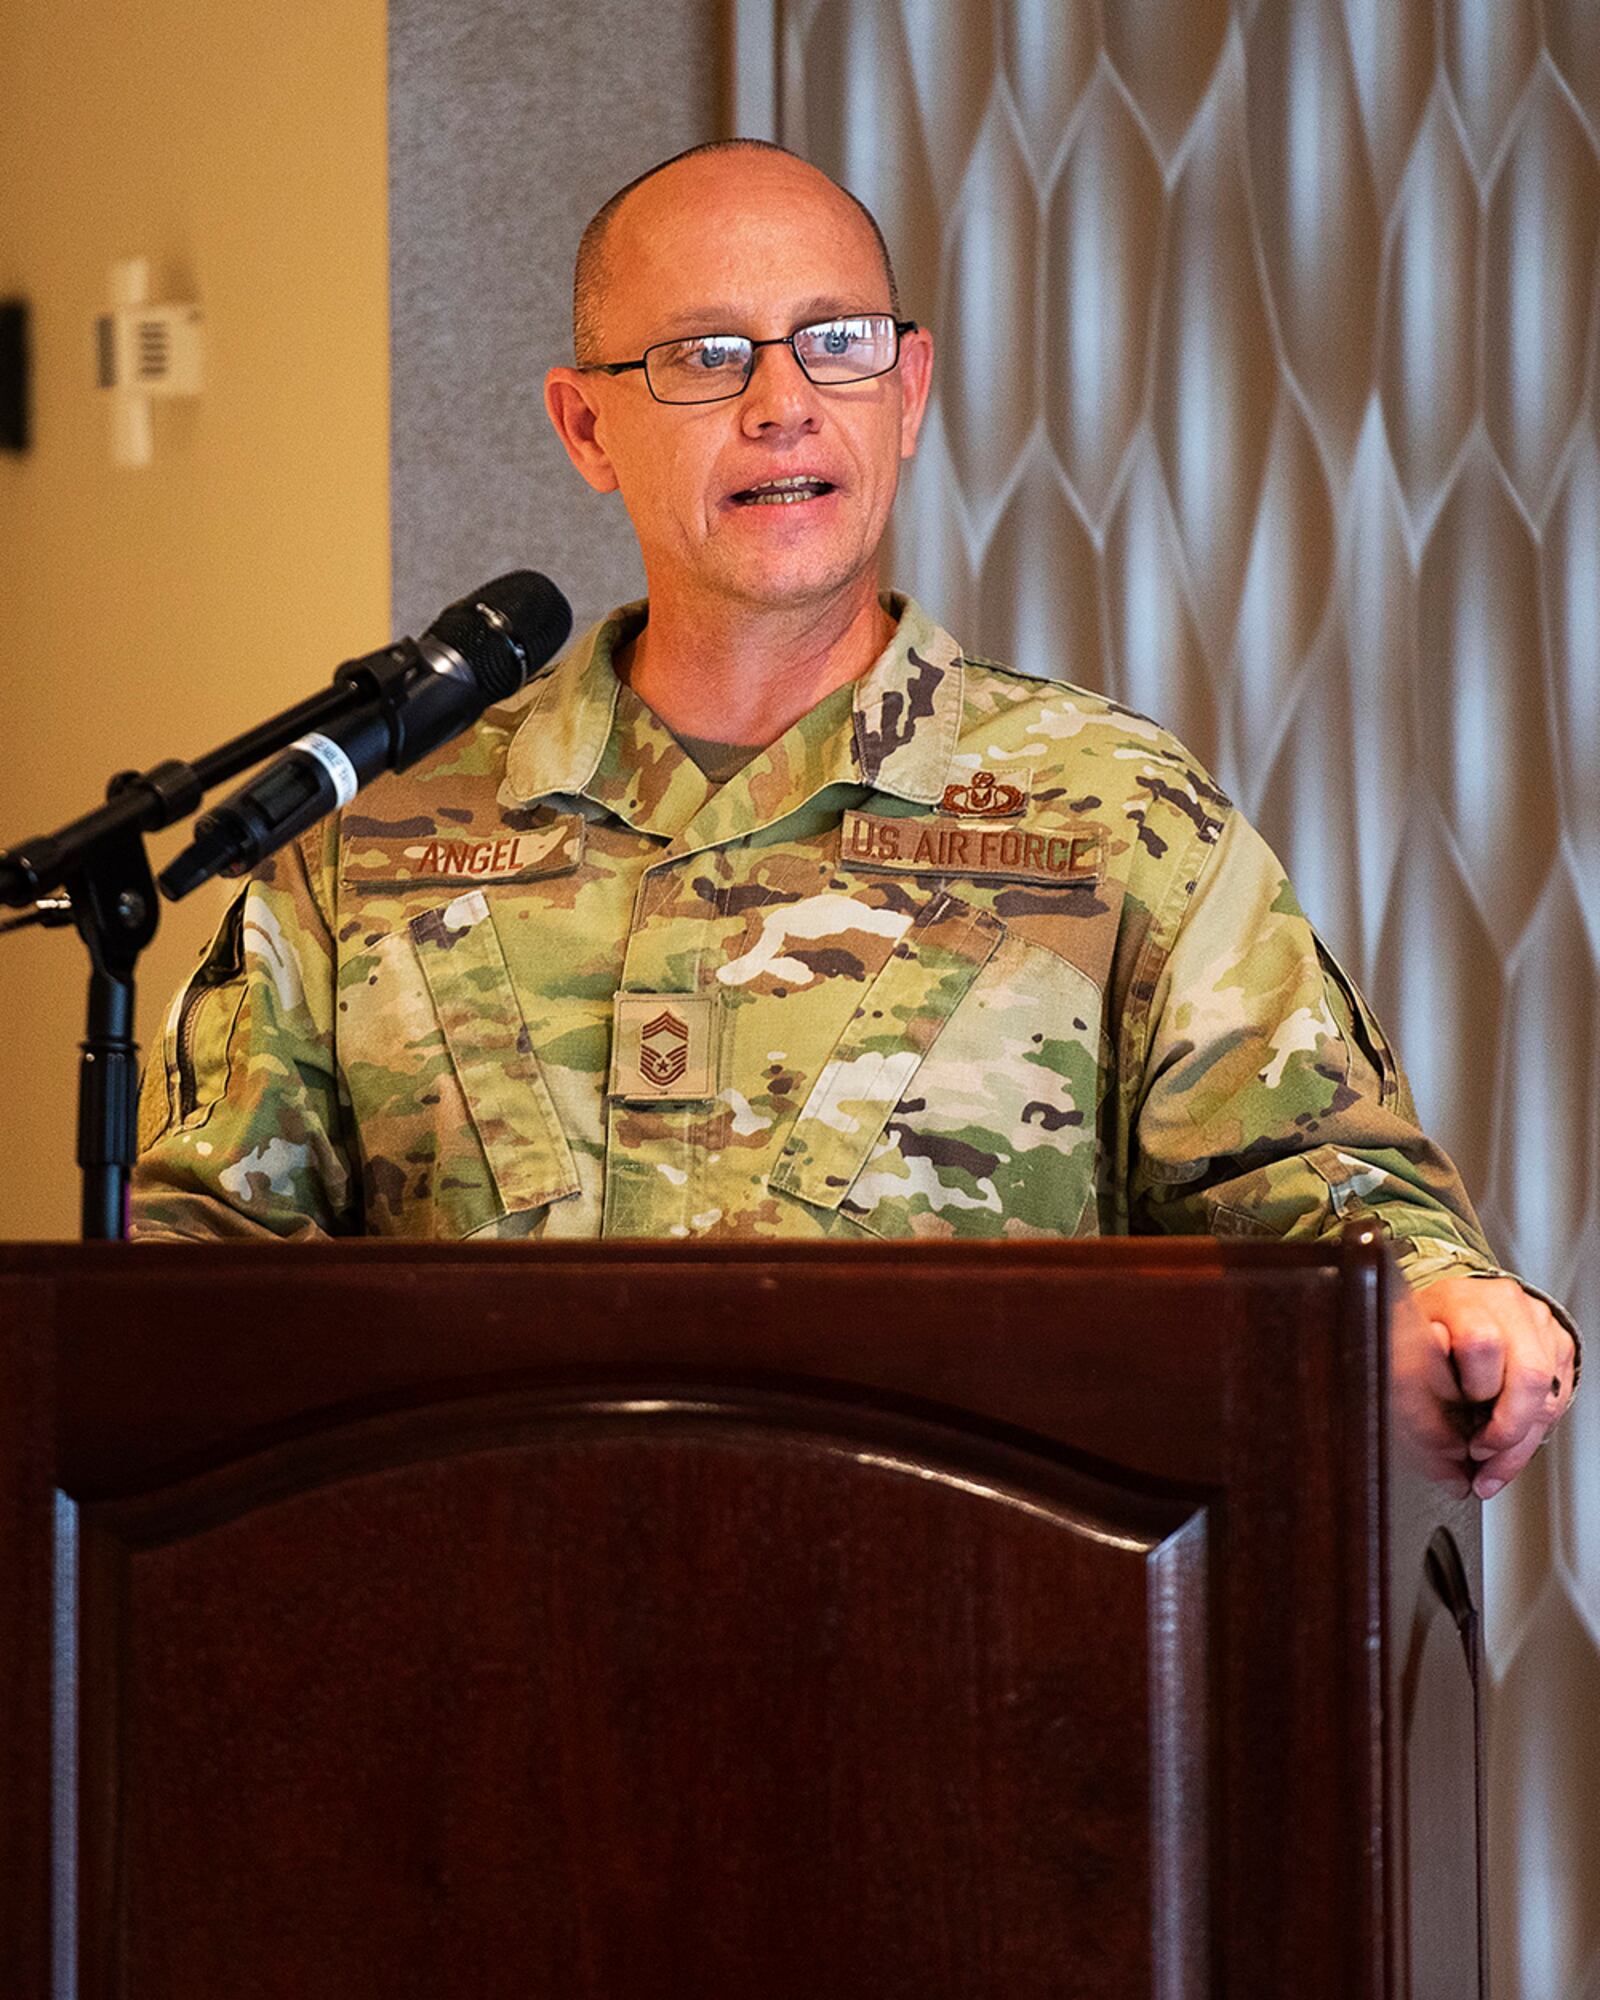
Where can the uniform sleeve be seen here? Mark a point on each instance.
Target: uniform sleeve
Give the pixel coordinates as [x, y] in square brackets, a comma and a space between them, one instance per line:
[1269, 1100]
[241, 1120]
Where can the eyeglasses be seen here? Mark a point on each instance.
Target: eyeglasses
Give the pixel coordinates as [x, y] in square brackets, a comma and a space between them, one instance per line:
[712, 367]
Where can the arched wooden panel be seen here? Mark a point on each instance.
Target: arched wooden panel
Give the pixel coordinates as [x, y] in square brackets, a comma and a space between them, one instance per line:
[506, 1698]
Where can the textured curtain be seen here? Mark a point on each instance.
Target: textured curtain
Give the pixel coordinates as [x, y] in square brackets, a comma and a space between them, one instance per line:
[1267, 404]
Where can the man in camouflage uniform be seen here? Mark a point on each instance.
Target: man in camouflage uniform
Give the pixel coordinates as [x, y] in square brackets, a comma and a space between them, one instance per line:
[773, 914]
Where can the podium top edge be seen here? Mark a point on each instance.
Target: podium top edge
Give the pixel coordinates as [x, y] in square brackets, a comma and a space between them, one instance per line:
[1176, 1254]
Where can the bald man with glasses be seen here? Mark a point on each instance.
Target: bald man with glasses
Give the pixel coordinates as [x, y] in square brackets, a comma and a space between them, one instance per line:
[767, 911]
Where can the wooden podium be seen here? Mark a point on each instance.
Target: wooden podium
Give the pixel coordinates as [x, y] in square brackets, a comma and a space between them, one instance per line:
[635, 1620]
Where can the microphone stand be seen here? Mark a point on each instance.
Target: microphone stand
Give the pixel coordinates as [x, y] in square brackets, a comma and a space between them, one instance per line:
[100, 864]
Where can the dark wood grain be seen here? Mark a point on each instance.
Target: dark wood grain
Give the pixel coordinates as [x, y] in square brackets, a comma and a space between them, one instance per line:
[1051, 1345]
[652, 1695]
[936, 1620]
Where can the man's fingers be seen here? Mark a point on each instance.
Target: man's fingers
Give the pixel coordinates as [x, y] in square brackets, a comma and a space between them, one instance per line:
[1526, 1403]
[1426, 1398]
[1478, 1352]
[1493, 1473]
[1500, 1449]
[1436, 1371]
[1509, 1352]
[1487, 1362]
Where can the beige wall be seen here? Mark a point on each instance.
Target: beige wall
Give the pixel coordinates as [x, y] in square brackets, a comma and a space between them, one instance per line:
[153, 613]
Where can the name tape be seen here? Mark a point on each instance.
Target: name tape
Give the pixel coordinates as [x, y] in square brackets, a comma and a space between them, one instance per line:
[555, 849]
[1067, 856]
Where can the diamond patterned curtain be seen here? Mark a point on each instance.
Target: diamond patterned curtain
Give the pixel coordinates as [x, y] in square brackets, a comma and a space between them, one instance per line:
[1267, 404]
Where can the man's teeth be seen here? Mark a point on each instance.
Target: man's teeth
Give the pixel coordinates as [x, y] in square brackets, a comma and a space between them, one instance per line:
[783, 492]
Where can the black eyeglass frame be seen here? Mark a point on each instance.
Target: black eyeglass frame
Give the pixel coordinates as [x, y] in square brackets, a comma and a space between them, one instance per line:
[901, 328]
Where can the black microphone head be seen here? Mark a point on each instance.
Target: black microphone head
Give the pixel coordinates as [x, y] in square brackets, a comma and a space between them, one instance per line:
[506, 630]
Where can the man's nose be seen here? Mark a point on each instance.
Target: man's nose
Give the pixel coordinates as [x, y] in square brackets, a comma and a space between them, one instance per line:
[780, 395]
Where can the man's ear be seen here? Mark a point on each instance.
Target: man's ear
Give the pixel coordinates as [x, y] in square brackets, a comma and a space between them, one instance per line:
[916, 379]
[569, 396]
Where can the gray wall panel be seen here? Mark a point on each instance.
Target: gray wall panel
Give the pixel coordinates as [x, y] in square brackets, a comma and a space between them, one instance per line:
[1287, 430]
[510, 123]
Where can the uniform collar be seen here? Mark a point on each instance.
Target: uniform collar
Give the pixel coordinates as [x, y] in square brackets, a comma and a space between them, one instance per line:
[908, 708]
[582, 733]
[569, 714]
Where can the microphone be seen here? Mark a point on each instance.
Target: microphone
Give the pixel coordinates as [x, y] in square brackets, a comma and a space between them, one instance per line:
[403, 702]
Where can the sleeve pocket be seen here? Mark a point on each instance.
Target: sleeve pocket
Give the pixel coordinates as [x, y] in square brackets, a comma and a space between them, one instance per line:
[1360, 1028]
[199, 1029]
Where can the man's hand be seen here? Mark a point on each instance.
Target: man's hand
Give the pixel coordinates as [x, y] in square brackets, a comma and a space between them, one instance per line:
[1482, 1371]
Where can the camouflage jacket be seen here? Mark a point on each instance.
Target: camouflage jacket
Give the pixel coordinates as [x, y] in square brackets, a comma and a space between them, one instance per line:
[963, 953]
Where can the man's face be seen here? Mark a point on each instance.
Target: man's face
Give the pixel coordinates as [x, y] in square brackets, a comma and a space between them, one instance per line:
[754, 244]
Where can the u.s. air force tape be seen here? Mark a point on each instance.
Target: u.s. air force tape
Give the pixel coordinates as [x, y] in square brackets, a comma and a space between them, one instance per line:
[1070, 856]
[340, 770]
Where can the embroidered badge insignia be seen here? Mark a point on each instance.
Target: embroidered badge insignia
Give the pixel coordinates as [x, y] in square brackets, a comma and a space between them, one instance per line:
[663, 1047]
[986, 797]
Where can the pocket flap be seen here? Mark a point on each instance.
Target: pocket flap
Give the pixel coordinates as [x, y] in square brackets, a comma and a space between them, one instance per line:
[1361, 1028]
[898, 1021]
[479, 1016]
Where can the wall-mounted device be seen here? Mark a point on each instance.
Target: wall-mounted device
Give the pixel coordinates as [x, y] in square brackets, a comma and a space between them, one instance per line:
[15, 427]
[146, 352]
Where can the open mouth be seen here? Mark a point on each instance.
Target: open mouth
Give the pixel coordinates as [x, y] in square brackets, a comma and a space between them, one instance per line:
[782, 492]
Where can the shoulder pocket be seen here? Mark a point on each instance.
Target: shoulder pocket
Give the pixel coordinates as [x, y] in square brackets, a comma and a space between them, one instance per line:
[901, 1016]
[1360, 1028]
[507, 1100]
[199, 1027]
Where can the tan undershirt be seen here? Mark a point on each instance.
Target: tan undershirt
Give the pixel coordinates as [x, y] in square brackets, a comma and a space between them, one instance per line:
[719, 761]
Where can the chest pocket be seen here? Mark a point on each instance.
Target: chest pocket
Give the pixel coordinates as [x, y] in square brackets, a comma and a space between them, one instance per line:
[961, 1099]
[458, 1128]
